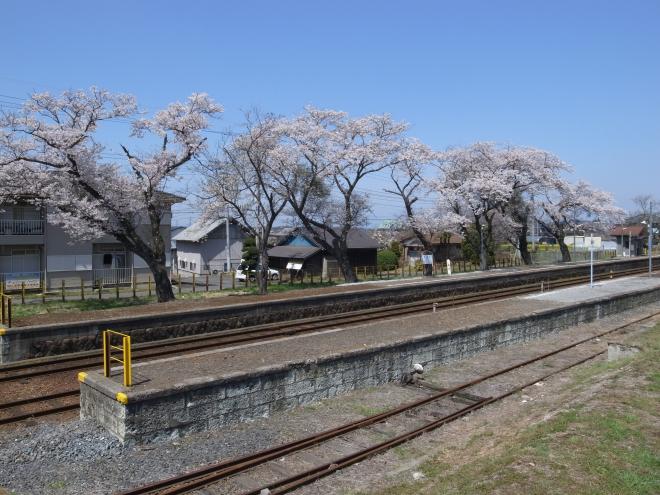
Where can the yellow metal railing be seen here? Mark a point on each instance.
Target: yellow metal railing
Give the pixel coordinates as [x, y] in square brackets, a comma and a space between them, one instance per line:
[124, 348]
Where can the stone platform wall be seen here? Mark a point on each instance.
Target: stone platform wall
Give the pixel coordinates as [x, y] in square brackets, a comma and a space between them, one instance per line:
[47, 340]
[212, 403]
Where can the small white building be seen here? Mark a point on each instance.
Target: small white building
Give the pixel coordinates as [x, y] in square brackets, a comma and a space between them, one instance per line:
[202, 248]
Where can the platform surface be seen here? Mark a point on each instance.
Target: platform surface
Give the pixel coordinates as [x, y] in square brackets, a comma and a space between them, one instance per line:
[154, 378]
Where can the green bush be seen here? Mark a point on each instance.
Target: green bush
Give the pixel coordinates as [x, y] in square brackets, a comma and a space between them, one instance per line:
[387, 259]
[250, 253]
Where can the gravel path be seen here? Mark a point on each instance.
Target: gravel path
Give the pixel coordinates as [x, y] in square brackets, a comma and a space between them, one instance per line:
[79, 458]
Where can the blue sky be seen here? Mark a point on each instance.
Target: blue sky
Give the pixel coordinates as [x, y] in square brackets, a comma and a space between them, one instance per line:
[578, 78]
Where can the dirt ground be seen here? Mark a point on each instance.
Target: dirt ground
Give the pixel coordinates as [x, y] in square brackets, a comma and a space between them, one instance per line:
[594, 429]
[213, 301]
[499, 449]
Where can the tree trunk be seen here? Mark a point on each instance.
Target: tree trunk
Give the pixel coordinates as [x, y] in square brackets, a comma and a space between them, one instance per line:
[262, 274]
[162, 281]
[345, 265]
[565, 253]
[483, 253]
[522, 245]
[154, 257]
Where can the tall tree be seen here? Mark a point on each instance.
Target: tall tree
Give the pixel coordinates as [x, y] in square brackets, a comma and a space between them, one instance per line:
[333, 155]
[240, 180]
[51, 142]
[564, 205]
[474, 187]
[530, 171]
[413, 160]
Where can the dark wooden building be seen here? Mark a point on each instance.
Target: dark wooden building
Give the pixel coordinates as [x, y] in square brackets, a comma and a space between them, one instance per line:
[299, 251]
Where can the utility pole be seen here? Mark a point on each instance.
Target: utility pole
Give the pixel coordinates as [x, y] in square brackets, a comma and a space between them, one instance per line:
[650, 237]
[228, 244]
[629, 243]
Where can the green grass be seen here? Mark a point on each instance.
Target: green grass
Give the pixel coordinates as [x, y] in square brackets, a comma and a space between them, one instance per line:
[19, 310]
[32, 308]
[367, 410]
[607, 447]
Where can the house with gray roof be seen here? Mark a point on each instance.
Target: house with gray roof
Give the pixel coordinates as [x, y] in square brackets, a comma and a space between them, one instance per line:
[202, 248]
[299, 251]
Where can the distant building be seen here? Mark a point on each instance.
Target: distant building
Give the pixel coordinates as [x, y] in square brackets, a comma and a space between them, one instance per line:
[299, 251]
[202, 247]
[279, 234]
[33, 248]
[444, 246]
[173, 232]
[630, 239]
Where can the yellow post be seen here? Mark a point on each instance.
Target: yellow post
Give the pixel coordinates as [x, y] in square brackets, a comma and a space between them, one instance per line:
[128, 375]
[106, 353]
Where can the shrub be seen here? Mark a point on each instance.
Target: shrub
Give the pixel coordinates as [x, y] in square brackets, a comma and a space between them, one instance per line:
[387, 259]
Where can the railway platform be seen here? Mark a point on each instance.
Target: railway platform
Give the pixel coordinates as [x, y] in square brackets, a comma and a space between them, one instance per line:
[173, 396]
[180, 318]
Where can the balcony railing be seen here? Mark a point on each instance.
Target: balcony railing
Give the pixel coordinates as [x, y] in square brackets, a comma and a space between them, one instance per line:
[21, 227]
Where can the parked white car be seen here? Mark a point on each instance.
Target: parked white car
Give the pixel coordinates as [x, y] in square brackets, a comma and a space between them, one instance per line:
[240, 274]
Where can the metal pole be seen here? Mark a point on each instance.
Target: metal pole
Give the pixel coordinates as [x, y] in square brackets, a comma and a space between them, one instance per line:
[591, 256]
[650, 237]
[228, 244]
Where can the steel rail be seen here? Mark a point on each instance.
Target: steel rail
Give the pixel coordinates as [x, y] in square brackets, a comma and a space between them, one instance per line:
[311, 475]
[347, 318]
[209, 474]
[292, 327]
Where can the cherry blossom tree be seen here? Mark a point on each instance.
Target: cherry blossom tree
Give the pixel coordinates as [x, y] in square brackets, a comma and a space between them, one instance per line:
[563, 205]
[413, 160]
[474, 187]
[240, 180]
[484, 179]
[530, 171]
[333, 154]
[51, 144]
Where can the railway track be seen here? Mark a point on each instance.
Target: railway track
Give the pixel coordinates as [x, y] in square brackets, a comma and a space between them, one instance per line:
[266, 471]
[61, 401]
